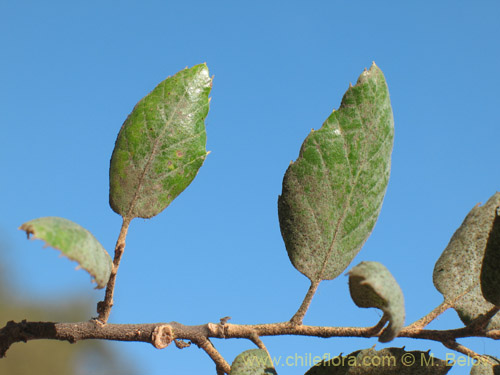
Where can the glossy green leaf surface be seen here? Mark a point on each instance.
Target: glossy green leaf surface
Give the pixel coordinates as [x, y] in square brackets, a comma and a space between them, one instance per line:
[332, 194]
[161, 145]
[372, 285]
[387, 361]
[486, 365]
[458, 269]
[75, 242]
[253, 362]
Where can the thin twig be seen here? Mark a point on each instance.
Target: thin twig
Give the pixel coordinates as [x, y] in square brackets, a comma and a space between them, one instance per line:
[453, 345]
[426, 320]
[207, 346]
[301, 312]
[104, 307]
[254, 337]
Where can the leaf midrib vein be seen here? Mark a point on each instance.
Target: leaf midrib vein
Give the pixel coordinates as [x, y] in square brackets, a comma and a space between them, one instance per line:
[347, 204]
[153, 150]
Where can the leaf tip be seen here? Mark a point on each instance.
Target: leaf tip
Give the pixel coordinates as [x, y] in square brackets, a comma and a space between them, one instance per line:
[28, 229]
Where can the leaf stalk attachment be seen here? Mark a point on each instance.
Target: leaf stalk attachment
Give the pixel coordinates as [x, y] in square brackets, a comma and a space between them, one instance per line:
[104, 307]
[301, 312]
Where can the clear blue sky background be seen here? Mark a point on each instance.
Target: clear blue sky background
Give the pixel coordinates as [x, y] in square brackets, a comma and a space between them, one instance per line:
[72, 71]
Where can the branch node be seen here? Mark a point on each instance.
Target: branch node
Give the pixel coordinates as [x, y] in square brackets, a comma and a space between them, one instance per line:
[213, 329]
[162, 336]
[223, 326]
[373, 331]
[96, 321]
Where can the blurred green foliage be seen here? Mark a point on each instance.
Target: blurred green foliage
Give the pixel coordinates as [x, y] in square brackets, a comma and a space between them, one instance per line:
[42, 357]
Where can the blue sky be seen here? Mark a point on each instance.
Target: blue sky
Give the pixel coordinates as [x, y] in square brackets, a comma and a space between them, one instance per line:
[72, 71]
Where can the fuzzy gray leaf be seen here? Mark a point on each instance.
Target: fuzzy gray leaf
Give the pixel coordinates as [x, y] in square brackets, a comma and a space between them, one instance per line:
[388, 361]
[253, 362]
[490, 271]
[161, 145]
[457, 271]
[486, 365]
[372, 285]
[332, 194]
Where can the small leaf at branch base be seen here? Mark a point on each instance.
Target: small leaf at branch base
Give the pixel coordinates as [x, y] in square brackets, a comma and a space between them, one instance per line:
[161, 145]
[75, 242]
[253, 362]
[332, 194]
[486, 365]
[372, 285]
[388, 361]
[457, 273]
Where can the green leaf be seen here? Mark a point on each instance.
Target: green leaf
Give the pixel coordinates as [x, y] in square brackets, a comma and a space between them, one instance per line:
[372, 285]
[161, 145]
[490, 275]
[253, 362]
[486, 365]
[383, 362]
[332, 194]
[75, 242]
[457, 271]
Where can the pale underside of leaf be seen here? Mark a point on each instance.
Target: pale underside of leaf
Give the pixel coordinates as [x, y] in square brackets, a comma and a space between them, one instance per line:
[386, 361]
[332, 194]
[457, 271]
[161, 145]
[372, 285]
[486, 365]
[75, 242]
